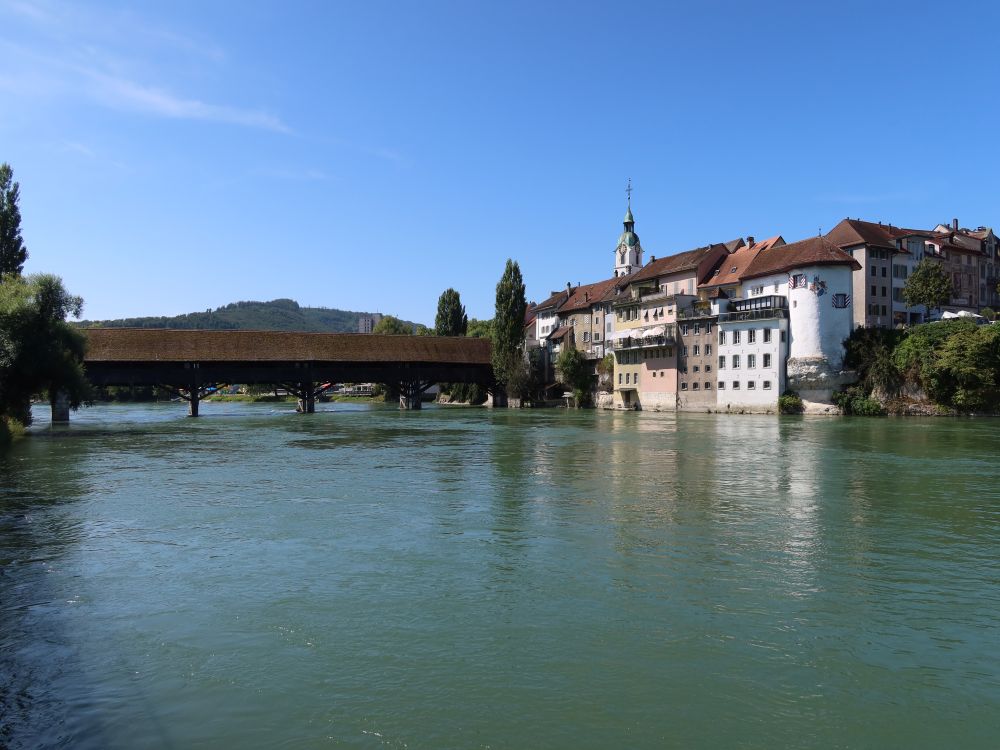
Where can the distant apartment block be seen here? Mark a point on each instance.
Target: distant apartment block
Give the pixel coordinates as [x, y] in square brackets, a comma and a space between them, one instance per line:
[368, 321]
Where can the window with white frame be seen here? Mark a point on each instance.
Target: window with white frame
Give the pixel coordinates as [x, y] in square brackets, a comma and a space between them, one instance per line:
[751, 361]
[736, 337]
[736, 361]
[767, 335]
[767, 360]
[752, 336]
[722, 362]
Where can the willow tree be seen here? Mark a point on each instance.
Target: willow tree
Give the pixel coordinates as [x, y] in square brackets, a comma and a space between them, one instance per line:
[39, 351]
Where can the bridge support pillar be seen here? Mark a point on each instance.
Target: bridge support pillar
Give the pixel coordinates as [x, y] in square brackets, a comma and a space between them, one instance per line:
[307, 401]
[60, 407]
[409, 395]
[193, 401]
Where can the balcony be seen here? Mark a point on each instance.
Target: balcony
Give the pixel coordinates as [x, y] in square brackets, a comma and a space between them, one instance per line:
[640, 341]
[764, 313]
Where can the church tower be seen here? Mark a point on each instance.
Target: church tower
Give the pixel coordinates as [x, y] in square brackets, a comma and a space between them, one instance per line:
[628, 254]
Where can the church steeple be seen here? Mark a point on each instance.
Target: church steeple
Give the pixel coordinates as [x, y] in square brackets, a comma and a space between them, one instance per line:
[628, 254]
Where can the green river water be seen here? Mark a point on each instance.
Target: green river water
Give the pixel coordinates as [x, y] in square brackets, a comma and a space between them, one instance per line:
[465, 578]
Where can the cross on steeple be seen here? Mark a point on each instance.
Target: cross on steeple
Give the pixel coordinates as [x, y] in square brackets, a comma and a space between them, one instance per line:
[628, 192]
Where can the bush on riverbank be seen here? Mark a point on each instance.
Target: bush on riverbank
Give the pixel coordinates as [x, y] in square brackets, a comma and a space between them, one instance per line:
[790, 402]
[954, 364]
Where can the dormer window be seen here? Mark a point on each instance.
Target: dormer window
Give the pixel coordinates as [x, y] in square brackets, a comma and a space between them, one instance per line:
[732, 270]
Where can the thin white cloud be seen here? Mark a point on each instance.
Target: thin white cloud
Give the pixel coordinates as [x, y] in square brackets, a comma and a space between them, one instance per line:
[75, 54]
[120, 93]
[78, 148]
[309, 174]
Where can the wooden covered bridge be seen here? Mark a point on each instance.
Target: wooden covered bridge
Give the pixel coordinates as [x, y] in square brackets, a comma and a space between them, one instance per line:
[192, 363]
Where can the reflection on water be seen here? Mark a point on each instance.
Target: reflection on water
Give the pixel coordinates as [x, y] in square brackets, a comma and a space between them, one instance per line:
[467, 578]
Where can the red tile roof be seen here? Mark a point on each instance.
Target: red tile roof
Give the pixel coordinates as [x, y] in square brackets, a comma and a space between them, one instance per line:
[729, 268]
[815, 251]
[686, 261]
[589, 294]
[856, 232]
[560, 333]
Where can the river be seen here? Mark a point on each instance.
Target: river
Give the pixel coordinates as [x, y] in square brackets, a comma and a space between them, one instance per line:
[464, 578]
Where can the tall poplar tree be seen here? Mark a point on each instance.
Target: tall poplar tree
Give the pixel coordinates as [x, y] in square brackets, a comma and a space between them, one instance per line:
[508, 326]
[13, 253]
[451, 319]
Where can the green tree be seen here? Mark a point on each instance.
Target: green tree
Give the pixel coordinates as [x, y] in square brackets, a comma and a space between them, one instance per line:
[13, 253]
[451, 319]
[480, 329]
[508, 326]
[928, 285]
[394, 326]
[575, 373]
[39, 351]
[989, 313]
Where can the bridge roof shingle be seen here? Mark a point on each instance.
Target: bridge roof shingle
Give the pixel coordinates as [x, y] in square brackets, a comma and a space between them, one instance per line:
[173, 345]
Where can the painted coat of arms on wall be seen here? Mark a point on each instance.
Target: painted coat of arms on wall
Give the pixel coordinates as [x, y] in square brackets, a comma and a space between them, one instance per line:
[817, 286]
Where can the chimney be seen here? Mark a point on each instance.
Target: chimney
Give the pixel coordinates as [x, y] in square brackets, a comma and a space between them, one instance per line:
[750, 241]
[652, 258]
[586, 296]
[569, 290]
[954, 224]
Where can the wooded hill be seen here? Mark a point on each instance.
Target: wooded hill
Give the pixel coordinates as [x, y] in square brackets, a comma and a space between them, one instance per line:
[276, 315]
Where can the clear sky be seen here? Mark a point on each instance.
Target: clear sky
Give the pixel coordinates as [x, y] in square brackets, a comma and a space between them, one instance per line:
[179, 156]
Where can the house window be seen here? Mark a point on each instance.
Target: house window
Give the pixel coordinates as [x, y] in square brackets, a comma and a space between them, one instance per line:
[736, 337]
[619, 378]
[883, 272]
[751, 360]
[684, 351]
[722, 362]
[708, 385]
[883, 309]
[586, 336]
[752, 336]
[736, 361]
[767, 360]
[684, 386]
[751, 385]
[782, 337]
[874, 290]
[628, 378]
[883, 292]
[736, 385]
[685, 329]
[708, 350]
[708, 368]
[722, 385]
[694, 386]
[767, 385]
[767, 335]
[874, 271]
[697, 350]
[722, 338]
[697, 329]
[696, 368]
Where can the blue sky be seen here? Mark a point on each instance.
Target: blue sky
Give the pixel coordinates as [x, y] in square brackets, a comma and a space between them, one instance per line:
[179, 156]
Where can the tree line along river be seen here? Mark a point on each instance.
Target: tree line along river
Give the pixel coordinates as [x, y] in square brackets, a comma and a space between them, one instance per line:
[466, 578]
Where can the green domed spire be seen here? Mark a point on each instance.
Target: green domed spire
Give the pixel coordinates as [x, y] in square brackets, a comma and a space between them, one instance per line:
[628, 215]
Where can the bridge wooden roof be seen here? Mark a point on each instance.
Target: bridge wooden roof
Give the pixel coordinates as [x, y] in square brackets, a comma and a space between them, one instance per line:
[174, 345]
